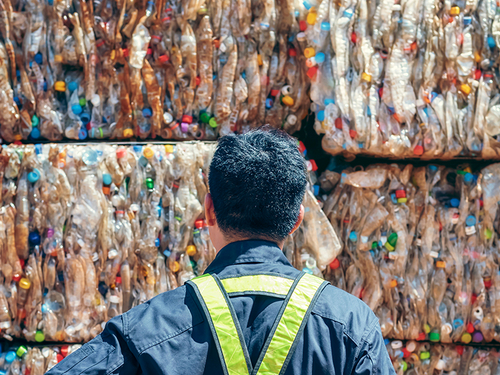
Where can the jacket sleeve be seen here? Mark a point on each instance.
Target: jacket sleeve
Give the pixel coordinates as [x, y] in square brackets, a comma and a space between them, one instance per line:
[373, 358]
[107, 354]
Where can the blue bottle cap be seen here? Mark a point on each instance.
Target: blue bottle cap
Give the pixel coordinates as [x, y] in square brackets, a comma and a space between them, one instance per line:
[39, 58]
[10, 357]
[85, 117]
[316, 189]
[394, 199]
[348, 13]
[470, 221]
[304, 153]
[307, 4]
[45, 88]
[269, 103]
[34, 238]
[457, 323]
[467, 20]
[320, 116]
[386, 342]
[157, 242]
[491, 42]
[297, 13]
[82, 134]
[329, 101]
[18, 73]
[17, 100]
[433, 168]
[44, 308]
[368, 111]
[106, 179]
[146, 112]
[320, 57]
[167, 253]
[35, 133]
[34, 176]
[353, 236]
[50, 2]
[455, 202]
[158, 211]
[137, 148]
[76, 108]
[325, 26]
[468, 178]
[433, 96]
[243, 74]
[38, 148]
[72, 86]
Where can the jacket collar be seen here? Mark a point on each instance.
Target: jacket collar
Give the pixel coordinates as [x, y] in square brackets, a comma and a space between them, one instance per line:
[248, 251]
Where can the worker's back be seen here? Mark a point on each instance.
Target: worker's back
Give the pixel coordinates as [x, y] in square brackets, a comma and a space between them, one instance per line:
[252, 312]
[170, 334]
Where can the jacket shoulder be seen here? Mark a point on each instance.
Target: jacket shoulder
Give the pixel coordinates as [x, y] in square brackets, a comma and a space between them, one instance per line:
[162, 318]
[353, 314]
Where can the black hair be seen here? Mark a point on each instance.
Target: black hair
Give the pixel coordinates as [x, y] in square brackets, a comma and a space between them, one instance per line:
[257, 181]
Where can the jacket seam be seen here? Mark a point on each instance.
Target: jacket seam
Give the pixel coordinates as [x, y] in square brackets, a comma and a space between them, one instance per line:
[364, 340]
[247, 261]
[177, 333]
[326, 316]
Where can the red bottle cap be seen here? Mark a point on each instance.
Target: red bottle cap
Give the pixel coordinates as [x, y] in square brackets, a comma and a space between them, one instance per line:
[354, 38]
[353, 133]
[149, 51]
[22, 262]
[477, 74]
[292, 52]
[488, 284]
[121, 152]
[188, 119]
[338, 123]
[418, 150]
[59, 358]
[16, 277]
[275, 92]
[421, 336]
[118, 280]
[460, 349]
[400, 193]
[125, 52]
[311, 72]
[470, 327]
[302, 148]
[302, 25]
[406, 353]
[313, 165]
[163, 59]
[198, 81]
[335, 264]
[65, 350]
[198, 223]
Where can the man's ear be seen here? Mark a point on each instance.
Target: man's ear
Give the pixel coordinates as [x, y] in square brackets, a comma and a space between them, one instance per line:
[209, 211]
[299, 220]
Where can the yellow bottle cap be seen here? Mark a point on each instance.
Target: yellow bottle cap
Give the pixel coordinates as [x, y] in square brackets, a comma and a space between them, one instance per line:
[465, 88]
[427, 328]
[287, 100]
[466, 338]
[24, 283]
[393, 284]
[388, 246]
[366, 77]
[477, 56]
[455, 11]
[169, 149]
[312, 16]
[191, 250]
[259, 60]
[127, 133]
[175, 267]
[18, 137]
[148, 152]
[58, 59]
[440, 264]
[60, 86]
[402, 200]
[309, 52]
[112, 55]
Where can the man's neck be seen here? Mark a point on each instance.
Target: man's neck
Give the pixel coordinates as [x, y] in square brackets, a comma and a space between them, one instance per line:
[229, 240]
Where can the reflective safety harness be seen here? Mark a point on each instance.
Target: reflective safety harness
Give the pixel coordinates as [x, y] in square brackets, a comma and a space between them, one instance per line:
[299, 294]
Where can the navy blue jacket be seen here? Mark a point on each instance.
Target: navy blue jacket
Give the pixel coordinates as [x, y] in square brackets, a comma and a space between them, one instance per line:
[169, 334]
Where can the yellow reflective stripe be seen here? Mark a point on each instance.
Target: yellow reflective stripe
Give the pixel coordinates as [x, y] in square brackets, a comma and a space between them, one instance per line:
[258, 283]
[289, 325]
[227, 334]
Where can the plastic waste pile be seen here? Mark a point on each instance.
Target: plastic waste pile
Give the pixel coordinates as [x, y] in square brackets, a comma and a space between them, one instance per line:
[153, 69]
[404, 79]
[412, 357]
[88, 232]
[420, 247]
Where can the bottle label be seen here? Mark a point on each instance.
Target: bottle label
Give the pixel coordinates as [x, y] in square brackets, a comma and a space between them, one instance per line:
[470, 230]
[434, 254]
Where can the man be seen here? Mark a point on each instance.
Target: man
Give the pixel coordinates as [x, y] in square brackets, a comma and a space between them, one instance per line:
[251, 312]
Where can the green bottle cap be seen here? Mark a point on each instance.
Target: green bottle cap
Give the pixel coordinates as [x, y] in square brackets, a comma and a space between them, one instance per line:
[393, 238]
[21, 351]
[39, 336]
[150, 184]
[374, 244]
[434, 336]
[213, 122]
[425, 355]
[404, 366]
[205, 117]
[35, 121]
[82, 102]
[488, 233]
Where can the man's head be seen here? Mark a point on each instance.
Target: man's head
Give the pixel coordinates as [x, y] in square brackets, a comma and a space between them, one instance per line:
[257, 182]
